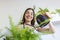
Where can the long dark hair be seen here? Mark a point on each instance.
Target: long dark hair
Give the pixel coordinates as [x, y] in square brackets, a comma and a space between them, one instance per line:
[33, 20]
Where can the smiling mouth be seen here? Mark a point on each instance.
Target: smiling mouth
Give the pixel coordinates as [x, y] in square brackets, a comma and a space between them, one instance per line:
[28, 17]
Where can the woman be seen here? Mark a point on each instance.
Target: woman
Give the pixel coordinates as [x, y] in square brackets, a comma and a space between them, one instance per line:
[29, 21]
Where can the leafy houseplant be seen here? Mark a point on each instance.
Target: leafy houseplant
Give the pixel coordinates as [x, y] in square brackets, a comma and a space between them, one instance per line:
[42, 18]
[21, 34]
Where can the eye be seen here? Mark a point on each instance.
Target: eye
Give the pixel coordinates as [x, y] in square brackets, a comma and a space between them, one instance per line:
[31, 13]
[27, 12]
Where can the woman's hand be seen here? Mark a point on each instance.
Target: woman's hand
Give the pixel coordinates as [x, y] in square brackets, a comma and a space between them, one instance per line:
[39, 29]
[42, 29]
[48, 15]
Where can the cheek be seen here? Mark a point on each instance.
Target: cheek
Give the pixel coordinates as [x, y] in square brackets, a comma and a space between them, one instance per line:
[27, 17]
[31, 17]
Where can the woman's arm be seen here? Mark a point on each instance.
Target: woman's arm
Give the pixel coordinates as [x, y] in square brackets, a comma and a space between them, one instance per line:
[50, 29]
[48, 15]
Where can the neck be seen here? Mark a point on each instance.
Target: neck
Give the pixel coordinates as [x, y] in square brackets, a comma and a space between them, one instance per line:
[28, 23]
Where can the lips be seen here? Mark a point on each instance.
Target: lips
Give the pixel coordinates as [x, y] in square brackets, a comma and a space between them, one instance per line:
[28, 17]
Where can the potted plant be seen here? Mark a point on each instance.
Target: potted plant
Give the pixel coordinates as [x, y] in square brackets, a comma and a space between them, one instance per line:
[21, 34]
[41, 17]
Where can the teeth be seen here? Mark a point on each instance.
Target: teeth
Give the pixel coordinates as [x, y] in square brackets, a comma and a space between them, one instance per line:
[28, 17]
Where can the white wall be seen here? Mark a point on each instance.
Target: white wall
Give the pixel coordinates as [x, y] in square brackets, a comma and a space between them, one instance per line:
[15, 8]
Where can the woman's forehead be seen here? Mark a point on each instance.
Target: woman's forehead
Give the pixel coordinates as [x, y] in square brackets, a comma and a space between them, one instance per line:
[29, 11]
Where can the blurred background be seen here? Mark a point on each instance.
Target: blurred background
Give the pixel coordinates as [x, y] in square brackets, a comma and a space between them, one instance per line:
[16, 8]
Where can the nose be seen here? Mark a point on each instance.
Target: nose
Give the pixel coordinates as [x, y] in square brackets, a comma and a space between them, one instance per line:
[29, 14]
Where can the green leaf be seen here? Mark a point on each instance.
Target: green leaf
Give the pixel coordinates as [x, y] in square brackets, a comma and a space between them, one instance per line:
[58, 10]
[40, 9]
[47, 20]
[46, 10]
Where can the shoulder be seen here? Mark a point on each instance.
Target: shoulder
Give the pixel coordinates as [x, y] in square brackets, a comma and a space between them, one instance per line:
[19, 26]
[36, 25]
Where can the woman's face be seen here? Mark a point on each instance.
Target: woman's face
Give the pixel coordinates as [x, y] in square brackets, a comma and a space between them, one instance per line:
[29, 15]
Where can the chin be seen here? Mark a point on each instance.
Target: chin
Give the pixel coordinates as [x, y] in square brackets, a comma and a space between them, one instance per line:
[29, 20]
